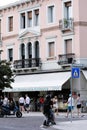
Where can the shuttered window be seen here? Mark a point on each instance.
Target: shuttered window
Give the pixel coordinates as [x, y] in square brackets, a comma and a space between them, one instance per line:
[29, 18]
[36, 17]
[10, 24]
[51, 49]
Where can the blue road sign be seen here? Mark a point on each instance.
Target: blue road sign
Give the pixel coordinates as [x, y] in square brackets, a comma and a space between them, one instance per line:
[75, 72]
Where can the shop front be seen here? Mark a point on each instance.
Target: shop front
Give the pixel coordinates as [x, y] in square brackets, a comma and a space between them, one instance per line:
[37, 85]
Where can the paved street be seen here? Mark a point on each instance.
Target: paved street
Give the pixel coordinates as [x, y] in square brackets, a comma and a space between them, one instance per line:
[33, 121]
[25, 123]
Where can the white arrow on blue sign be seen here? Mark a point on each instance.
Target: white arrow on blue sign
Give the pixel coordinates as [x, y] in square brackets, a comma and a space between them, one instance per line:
[75, 72]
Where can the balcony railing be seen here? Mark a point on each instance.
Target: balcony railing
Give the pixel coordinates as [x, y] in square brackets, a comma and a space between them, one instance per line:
[66, 24]
[27, 63]
[66, 58]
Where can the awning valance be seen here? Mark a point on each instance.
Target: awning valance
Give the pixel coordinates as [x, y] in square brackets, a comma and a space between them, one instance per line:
[39, 82]
[85, 73]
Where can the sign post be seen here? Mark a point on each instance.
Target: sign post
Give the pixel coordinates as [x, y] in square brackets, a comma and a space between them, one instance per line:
[75, 73]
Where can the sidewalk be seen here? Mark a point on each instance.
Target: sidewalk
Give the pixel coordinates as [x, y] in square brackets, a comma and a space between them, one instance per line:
[74, 125]
[61, 114]
[66, 125]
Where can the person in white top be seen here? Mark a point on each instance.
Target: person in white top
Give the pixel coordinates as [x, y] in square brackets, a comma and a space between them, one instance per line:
[55, 104]
[21, 103]
[70, 104]
[5, 101]
[27, 102]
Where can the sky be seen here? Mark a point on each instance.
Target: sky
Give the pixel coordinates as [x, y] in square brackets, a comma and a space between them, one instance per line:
[5, 2]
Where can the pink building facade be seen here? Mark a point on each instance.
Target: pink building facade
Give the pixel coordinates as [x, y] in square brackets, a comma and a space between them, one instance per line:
[43, 39]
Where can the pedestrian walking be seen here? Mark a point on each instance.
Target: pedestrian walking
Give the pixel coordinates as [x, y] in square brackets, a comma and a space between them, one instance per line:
[41, 101]
[27, 102]
[70, 105]
[78, 102]
[47, 111]
[5, 101]
[21, 103]
[55, 105]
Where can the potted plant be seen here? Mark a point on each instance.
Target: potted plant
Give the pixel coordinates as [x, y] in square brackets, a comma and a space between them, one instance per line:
[65, 23]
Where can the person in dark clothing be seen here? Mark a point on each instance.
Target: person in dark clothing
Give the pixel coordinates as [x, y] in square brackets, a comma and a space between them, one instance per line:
[11, 104]
[47, 111]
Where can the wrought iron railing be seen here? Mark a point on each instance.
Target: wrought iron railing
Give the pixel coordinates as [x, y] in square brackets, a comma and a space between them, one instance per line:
[66, 58]
[27, 63]
[65, 24]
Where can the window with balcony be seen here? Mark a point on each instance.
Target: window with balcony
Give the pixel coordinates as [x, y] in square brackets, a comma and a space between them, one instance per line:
[36, 17]
[22, 51]
[10, 23]
[51, 14]
[23, 21]
[68, 49]
[67, 10]
[23, 55]
[30, 19]
[29, 47]
[68, 46]
[67, 22]
[10, 54]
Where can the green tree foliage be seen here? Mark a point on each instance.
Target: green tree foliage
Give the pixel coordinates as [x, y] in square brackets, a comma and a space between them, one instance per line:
[6, 75]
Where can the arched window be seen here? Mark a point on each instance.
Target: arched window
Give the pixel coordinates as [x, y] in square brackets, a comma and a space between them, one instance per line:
[23, 55]
[29, 54]
[36, 49]
[22, 51]
[29, 50]
[37, 53]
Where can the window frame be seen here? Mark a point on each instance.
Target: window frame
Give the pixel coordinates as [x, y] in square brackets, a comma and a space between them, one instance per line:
[36, 17]
[29, 19]
[33, 24]
[22, 20]
[47, 14]
[7, 50]
[50, 40]
[8, 23]
[10, 55]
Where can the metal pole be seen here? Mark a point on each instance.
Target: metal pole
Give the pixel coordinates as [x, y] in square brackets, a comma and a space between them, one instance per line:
[71, 93]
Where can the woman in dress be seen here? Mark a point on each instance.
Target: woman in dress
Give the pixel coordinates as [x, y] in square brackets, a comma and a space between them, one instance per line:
[55, 104]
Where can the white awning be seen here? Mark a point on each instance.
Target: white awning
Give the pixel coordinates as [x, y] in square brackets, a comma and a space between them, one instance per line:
[85, 73]
[39, 82]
